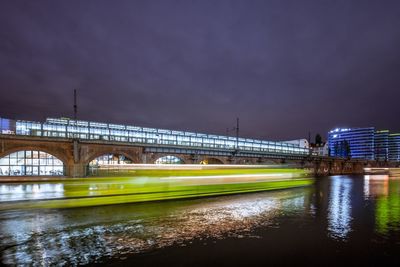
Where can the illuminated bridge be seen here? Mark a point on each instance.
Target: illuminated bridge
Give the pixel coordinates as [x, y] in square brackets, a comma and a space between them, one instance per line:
[68, 147]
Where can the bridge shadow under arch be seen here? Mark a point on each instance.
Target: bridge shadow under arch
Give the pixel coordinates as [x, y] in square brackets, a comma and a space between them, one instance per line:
[211, 160]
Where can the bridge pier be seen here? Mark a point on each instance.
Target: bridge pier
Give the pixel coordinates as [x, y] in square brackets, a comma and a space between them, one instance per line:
[76, 170]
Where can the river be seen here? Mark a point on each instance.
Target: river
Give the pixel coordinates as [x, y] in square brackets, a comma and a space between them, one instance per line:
[339, 220]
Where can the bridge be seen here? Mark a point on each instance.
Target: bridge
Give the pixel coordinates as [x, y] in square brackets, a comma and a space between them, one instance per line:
[67, 147]
[76, 155]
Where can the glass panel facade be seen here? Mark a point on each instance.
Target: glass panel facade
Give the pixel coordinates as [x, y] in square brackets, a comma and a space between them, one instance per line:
[364, 143]
[7, 126]
[66, 128]
[169, 160]
[394, 147]
[110, 159]
[354, 143]
[381, 145]
[30, 163]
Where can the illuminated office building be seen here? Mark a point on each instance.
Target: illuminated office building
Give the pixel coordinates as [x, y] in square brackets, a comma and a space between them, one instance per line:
[364, 143]
[352, 143]
[381, 145]
[394, 147]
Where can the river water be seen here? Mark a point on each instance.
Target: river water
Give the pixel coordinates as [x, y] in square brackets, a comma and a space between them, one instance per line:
[340, 220]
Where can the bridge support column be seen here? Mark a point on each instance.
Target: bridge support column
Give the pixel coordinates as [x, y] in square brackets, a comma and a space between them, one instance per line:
[358, 168]
[76, 170]
[143, 158]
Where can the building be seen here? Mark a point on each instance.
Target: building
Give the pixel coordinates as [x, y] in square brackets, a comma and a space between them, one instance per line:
[394, 147]
[352, 143]
[364, 143]
[7, 126]
[299, 142]
[381, 145]
[320, 149]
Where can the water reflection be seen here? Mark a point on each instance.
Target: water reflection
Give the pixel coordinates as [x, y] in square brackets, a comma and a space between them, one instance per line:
[13, 192]
[375, 186]
[385, 191]
[339, 210]
[82, 236]
[340, 215]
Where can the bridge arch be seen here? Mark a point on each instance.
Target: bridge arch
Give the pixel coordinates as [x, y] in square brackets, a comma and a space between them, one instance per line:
[169, 159]
[58, 153]
[94, 165]
[111, 159]
[98, 154]
[31, 162]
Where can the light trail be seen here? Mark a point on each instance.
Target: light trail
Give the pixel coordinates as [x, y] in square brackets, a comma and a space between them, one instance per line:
[141, 185]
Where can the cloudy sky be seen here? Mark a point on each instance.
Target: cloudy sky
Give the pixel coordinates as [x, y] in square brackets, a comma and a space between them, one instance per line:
[283, 67]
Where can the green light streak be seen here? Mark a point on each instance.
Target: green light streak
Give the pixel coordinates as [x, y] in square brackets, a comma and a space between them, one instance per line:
[153, 185]
[199, 172]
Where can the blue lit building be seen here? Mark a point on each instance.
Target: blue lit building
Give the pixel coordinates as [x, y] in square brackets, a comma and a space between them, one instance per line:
[381, 145]
[352, 143]
[394, 147]
[7, 126]
[364, 143]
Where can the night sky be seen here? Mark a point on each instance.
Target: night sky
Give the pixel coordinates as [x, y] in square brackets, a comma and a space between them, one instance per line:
[283, 67]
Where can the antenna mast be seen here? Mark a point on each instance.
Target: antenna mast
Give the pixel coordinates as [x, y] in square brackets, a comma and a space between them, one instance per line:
[75, 106]
[237, 133]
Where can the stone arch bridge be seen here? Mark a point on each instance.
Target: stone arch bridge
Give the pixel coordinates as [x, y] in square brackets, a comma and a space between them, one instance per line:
[76, 155]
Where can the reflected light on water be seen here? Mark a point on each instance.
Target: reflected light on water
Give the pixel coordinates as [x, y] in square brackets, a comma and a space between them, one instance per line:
[12, 192]
[376, 185]
[385, 190]
[339, 209]
[80, 237]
